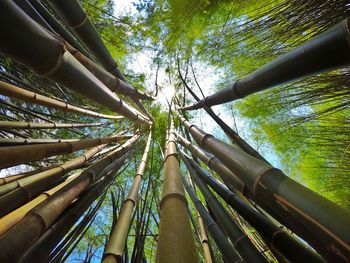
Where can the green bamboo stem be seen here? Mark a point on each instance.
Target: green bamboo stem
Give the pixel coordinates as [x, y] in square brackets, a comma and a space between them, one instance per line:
[5, 125]
[13, 155]
[12, 91]
[329, 51]
[231, 229]
[54, 61]
[175, 242]
[39, 219]
[278, 239]
[314, 218]
[116, 245]
[112, 82]
[228, 252]
[78, 21]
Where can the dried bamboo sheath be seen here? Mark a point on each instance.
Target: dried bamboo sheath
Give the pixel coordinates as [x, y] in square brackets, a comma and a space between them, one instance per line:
[116, 245]
[317, 220]
[175, 243]
[330, 50]
[53, 60]
[12, 91]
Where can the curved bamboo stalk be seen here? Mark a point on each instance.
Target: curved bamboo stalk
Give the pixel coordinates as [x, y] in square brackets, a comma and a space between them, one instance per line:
[39, 219]
[13, 155]
[54, 61]
[6, 125]
[330, 50]
[113, 83]
[277, 238]
[228, 252]
[79, 22]
[116, 245]
[16, 193]
[9, 90]
[231, 229]
[175, 243]
[9, 220]
[314, 218]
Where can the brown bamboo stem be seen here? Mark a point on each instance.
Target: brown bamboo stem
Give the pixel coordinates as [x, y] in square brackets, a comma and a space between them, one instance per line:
[13, 155]
[12, 91]
[6, 125]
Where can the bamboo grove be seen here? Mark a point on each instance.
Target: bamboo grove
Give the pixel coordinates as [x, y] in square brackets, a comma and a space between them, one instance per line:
[94, 169]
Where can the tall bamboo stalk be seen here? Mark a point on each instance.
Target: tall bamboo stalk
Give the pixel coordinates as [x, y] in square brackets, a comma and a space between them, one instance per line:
[9, 220]
[316, 219]
[5, 125]
[39, 219]
[53, 60]
[277, 238]
[228, 252]
[79, 22]
[12, 91]
[16, 193]
[175, 243]
[116, 245]
[231, 229]
[330, 50]
[13, 155]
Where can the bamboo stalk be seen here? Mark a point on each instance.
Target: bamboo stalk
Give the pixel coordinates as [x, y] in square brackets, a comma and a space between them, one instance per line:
[9, 90]
[175, 242]
[231, 229]
[13, 155]
[228, 252]
[39, 219]
[5, 125]
[40, 251]
[9, 220]
[79, 22]
[112, 82]
[314, 218]
[54, 61]
[16, 193]
[277, 238]
[116, 245]
[328, 51]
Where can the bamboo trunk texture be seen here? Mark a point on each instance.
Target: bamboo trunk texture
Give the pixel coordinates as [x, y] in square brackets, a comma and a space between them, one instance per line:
[230, 228]
[277, 238]
[6, 125]
[39, 252]
[31, 227]
[330, 50]
[203, 237]
[175, 240]
[16, 193]
[13, 155]
[52, 60]
[228, 252]
[116, 244]
[9, 220]
[79, 22]
[317, 220]
[12, 91]
[112, 82]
